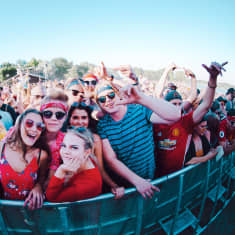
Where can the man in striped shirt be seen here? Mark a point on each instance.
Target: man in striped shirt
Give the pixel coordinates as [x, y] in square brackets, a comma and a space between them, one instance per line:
[126, 133]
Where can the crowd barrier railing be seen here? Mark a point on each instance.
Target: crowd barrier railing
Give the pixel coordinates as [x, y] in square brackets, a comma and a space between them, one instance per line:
[190, 199]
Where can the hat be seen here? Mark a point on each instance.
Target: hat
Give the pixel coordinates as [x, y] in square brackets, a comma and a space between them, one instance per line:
[230, 91]
[215, 107]
[172, 86]
[231, 112]
[221, 99]
[173, 95]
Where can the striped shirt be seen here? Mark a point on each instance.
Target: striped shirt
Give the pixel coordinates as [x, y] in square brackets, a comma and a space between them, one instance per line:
[131, 139]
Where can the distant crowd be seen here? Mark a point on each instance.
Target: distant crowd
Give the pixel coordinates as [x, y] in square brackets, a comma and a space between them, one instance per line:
[63, 141]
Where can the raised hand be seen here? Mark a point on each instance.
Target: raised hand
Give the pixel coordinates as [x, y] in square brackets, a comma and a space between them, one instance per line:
[215, 68]
[189, 73]
[129, 95]
[172, 67]
[127, 71]
[102, 73]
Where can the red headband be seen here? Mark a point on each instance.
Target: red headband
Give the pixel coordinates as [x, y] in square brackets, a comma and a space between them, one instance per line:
[91, 76]
[56, 105]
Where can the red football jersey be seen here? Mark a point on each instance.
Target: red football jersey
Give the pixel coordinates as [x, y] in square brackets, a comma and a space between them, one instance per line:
[171, 143]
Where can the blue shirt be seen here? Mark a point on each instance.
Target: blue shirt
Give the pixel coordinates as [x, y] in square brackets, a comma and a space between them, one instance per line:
[131, 139]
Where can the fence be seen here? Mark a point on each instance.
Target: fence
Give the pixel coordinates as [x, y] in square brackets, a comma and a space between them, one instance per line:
[190, 199]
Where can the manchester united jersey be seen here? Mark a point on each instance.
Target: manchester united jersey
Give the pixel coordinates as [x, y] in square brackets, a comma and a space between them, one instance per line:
[171, 142]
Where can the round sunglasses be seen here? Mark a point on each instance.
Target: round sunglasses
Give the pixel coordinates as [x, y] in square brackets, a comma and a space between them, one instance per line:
[89, 83]
[102, 99]
[48, 114]
[30, 123]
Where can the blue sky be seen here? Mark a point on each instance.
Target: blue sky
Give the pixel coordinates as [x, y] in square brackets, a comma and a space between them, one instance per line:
[149, 34]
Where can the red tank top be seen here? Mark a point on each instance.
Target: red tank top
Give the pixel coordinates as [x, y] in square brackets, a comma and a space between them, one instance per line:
[17, 185]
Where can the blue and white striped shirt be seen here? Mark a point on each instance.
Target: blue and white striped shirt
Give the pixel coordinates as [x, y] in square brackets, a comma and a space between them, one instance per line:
[131, 139]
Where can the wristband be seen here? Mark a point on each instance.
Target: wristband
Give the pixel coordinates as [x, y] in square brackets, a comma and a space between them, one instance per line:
[212, 87]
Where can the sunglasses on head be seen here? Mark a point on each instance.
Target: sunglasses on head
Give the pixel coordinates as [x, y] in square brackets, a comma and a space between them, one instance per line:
[102, 99]
[39, 125]
[93, 82]
[48, 114]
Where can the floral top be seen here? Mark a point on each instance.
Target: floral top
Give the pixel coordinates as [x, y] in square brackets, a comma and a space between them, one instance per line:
[17, 185]
[55, 151]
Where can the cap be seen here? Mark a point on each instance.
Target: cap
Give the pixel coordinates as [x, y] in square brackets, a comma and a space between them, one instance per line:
[173, 95]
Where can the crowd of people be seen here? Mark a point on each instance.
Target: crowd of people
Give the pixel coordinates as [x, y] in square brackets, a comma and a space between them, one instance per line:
[63, 141]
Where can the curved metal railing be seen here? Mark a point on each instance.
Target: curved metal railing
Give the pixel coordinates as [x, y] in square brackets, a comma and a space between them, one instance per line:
[191, 199]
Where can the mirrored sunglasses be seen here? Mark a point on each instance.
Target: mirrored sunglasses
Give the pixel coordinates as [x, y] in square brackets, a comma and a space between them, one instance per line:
[30, 123]
[102, 99]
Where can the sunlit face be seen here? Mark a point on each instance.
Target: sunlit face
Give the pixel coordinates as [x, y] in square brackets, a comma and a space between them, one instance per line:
[54, 118]
[109, 101]
[79, 118]
[200, 129]
[176, 102]
[222, 104]
[73, 147]
[90, 83]
[75, 93]
[31, 128]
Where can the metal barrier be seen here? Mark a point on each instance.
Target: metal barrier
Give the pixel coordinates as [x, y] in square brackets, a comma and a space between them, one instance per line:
[190, 199]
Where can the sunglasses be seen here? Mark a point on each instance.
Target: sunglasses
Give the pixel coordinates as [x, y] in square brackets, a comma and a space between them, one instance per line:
[102, 99]
[93, 82]
[48, 114]
[76, 92]
[39, 125]
[39, 96]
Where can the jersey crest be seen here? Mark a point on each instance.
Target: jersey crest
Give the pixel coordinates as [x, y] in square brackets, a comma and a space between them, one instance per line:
[176, 132]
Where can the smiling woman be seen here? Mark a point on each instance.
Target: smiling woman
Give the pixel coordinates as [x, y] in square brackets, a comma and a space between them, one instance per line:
[23, 163]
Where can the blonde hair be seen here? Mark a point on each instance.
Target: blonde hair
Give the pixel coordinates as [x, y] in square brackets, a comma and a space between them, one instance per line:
[85, 134]
[55, 94]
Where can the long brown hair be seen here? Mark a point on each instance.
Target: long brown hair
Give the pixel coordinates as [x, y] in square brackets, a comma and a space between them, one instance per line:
[15, 140]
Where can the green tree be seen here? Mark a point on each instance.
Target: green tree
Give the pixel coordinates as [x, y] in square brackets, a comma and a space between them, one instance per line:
[33, 63]
[59, 67]
[7, 72]
[21, 62]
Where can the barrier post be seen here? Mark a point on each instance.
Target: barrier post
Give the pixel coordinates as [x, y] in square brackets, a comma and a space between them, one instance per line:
[181, 184]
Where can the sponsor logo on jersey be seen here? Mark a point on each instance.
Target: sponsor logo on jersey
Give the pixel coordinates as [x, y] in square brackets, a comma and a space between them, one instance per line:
[176, 132]
[221, 134]
[167, 144]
